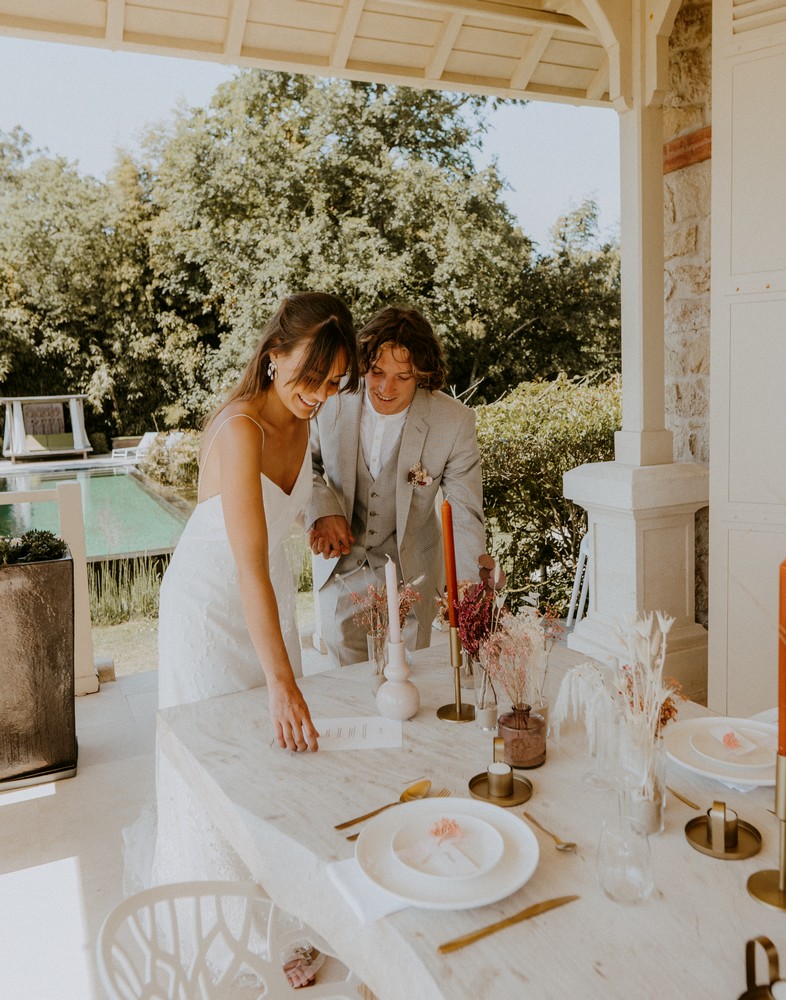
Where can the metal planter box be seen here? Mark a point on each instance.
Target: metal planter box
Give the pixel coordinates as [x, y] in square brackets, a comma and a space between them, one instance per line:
[37, 718]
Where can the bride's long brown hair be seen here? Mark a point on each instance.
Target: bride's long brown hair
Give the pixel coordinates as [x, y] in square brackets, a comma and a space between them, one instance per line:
[316, 318]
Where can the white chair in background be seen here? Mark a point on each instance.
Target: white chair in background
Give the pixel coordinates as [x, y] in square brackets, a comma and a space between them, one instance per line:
[138, 451]
[578, 602]
[206, 941]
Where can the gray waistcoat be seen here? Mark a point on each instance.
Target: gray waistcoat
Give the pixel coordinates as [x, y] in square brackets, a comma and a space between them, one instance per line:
[373, 517]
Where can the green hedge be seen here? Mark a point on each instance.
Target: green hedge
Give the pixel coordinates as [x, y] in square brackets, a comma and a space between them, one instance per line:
[527, 441]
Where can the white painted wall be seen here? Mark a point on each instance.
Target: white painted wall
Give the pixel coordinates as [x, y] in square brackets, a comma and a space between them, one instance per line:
[748, 350]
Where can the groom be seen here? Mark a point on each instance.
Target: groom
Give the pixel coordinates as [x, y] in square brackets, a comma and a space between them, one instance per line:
[379, 459]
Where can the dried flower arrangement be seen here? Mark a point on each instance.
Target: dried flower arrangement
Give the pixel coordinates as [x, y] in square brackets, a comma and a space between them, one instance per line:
[372, 608]
[510, 649]
[634, 693]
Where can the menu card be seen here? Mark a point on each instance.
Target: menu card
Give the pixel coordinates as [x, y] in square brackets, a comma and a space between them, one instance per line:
[358, 733]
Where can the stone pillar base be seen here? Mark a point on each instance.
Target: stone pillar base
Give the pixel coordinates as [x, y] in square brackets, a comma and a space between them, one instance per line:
[641, 558]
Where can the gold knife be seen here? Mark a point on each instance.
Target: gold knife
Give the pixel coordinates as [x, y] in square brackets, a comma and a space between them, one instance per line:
[530, 911]
[688, 802]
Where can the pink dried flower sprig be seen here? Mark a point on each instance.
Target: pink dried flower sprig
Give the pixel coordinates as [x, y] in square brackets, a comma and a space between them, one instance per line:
[372, 608]
[446, 829]
[507, 653]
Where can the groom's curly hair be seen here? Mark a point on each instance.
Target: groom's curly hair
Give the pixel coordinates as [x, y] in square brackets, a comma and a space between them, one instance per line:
[406, 329]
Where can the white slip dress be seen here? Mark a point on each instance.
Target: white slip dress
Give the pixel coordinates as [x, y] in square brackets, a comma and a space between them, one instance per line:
[205, 650]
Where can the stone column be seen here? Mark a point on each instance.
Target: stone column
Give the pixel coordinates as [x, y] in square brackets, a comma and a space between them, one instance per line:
[641, 507]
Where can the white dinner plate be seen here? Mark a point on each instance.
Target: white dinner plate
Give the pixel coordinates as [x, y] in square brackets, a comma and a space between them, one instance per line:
[759, 747]
[472, 849]
[679, 747]
[377, 859]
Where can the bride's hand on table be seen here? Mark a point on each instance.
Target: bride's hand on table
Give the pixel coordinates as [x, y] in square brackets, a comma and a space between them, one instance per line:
[291, 719]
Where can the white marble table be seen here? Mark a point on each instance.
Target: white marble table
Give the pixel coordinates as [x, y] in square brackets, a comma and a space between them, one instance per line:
[279, 809]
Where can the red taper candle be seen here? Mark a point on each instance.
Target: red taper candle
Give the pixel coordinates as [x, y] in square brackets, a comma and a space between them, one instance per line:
[450, 562]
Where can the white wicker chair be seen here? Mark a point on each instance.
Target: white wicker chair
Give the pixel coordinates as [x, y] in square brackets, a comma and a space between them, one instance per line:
[206, 941]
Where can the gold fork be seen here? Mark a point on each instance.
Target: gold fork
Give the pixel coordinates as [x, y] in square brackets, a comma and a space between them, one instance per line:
[443, 793]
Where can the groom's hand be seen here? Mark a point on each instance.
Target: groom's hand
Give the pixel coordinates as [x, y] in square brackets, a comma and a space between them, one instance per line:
[330, 536]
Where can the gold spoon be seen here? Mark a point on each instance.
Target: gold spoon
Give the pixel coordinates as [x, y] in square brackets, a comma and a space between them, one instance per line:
[417, 791]
[562, 845]
[441, 794]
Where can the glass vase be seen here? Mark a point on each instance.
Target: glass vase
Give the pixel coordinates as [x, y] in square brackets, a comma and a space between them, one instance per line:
[486, 710]
[377, 657]
[647, 804]
[467, 671]
[524, 734]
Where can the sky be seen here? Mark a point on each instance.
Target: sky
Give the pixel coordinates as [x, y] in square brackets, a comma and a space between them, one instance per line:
[83, 103]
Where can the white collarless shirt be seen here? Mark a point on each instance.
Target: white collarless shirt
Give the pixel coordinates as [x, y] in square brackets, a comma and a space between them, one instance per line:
[379, 434]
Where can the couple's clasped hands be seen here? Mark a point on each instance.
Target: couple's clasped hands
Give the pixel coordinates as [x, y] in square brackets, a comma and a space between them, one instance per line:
[330, 536]
[292, 725]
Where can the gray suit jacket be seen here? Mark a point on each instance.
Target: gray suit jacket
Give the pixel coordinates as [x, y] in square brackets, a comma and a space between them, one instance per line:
[440, 434]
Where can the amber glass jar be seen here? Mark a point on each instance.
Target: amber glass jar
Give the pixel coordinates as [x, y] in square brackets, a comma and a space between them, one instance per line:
[524, 734]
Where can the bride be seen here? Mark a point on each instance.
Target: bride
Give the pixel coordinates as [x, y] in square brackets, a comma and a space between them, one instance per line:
[226, 619]
[227, 610]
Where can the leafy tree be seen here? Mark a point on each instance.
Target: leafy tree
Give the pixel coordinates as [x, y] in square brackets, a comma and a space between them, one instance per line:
[360, 189]
[571, 316]
[148, 292]
[78, 308]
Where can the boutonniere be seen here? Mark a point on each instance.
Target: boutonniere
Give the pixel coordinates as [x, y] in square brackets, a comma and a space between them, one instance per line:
[417, 476]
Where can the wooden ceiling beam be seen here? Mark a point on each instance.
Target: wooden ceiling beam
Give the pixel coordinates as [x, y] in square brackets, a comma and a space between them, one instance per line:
[440, 54]
[599, 84]
[115, 18]
[236, 28]
[345, 35]
[528, 62]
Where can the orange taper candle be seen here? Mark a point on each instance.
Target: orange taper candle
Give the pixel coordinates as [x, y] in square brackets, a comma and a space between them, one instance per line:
[450, 562]
[782, 662]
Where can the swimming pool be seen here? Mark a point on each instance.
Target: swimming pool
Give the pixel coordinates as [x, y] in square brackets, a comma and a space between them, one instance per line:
[123, 517]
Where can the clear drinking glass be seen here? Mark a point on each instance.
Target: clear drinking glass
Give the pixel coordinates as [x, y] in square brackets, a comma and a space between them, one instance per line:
[623, 862]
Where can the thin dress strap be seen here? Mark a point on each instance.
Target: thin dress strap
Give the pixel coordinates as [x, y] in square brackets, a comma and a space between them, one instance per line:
[234, 416]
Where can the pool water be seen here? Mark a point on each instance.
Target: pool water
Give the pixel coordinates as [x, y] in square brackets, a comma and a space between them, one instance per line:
[122, 516]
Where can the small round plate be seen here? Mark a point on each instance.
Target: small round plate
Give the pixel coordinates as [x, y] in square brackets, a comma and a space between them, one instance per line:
[475, 850]
[516, 866]
[479, 789]
[680, 749]
[761, 753]
[748, 839]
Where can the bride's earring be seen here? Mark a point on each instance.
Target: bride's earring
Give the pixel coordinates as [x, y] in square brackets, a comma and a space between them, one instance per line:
[272, 370]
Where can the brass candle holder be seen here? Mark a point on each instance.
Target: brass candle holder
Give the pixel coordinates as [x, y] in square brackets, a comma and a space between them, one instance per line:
[456, 712]
[769, 886]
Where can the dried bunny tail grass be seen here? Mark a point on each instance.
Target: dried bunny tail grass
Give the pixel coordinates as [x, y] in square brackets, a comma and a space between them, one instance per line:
[583, 694]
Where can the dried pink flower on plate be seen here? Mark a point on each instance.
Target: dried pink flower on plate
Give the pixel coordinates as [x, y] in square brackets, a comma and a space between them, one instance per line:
[730, 740]
[446, 829]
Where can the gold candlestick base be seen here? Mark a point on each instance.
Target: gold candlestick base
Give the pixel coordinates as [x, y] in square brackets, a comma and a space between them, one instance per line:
[765, 886]
[449, 713]
[769, 886]
[457, 712]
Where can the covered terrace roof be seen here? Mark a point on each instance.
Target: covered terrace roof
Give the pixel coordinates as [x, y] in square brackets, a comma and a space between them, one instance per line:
[512, 48]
